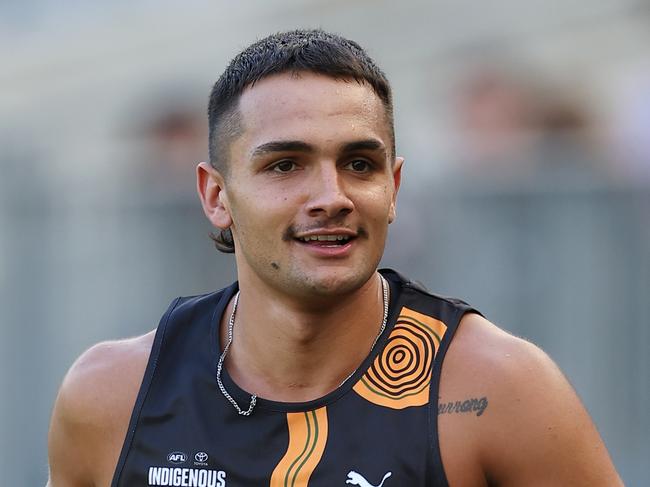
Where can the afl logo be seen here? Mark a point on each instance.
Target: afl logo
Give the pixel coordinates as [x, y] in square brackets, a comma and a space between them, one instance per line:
[177, 457]
[201, 457]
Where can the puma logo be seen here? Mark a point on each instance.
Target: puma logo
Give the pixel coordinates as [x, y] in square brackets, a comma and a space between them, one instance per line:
[355, 478]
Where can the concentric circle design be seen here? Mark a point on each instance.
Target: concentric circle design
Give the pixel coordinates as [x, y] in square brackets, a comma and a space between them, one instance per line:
[400, 375]
[404, 365]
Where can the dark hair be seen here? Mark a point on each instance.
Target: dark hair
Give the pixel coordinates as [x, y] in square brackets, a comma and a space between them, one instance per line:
[313, 51]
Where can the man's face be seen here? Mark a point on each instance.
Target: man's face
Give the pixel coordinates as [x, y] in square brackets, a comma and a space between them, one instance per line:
[311, 185]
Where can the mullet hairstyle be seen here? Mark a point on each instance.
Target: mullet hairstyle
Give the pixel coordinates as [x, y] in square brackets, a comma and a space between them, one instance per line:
[297, 51]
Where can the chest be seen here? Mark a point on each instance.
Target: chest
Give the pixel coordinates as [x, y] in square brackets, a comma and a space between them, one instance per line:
[347, 442]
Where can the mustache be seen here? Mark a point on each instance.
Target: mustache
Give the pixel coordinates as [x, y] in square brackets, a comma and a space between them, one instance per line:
[293, 230]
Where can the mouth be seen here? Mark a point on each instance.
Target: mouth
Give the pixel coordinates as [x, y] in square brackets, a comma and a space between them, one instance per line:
[326, 240]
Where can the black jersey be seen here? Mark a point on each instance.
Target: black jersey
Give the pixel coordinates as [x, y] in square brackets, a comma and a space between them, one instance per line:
[379, 428]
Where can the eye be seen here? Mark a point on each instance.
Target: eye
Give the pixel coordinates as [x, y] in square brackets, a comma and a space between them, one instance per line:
[284, 166]
[359, 165]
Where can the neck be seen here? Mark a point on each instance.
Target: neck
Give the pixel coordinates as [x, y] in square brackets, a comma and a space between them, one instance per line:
[286, 351]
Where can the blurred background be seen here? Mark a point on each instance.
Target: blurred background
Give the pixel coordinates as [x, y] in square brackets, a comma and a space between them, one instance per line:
[526, 130]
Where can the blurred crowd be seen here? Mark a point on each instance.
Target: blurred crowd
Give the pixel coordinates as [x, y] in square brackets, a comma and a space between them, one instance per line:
[513, 127]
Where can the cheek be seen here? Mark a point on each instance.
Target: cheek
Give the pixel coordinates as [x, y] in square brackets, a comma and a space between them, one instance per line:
[377, 205]
[263, 217]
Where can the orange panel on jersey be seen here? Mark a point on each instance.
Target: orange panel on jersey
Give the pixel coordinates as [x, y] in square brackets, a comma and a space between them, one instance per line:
[307, 438]
[400, 375]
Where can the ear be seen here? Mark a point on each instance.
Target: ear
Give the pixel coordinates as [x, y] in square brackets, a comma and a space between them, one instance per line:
[210, 185]
[397, 179]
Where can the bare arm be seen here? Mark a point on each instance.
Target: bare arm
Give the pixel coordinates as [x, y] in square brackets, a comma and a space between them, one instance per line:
[67, 440]
[92, 412]
[546, 436]
[535, 431]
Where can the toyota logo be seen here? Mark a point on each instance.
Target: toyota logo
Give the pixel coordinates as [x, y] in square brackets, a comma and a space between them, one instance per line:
[201, 456]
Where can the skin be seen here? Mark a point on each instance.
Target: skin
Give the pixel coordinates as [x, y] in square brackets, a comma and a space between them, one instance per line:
[337, 176]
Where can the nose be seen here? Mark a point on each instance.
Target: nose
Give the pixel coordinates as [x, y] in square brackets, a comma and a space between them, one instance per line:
[328, 196]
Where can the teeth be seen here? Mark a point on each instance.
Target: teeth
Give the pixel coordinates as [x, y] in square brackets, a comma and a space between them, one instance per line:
[324, 238]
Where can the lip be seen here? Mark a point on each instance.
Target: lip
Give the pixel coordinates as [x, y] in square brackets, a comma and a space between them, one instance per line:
[323, 250]
[328, 251]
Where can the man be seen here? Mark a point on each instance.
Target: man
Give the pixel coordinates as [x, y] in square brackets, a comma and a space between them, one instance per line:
[314, 369]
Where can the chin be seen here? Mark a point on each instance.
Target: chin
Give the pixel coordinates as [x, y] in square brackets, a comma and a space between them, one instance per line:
[335, 281]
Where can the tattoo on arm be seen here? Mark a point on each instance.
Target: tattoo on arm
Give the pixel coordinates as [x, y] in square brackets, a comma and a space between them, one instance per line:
[471, 405]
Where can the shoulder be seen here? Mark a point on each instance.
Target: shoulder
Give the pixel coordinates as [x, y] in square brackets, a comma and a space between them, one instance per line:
[514, 371]
[93, 408]
[499, 359]
[533, 429]
[101, 377]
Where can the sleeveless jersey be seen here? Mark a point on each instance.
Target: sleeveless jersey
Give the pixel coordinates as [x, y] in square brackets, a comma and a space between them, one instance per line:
[379, 428]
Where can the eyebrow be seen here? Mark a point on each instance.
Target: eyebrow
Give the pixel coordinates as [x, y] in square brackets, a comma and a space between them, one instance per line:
[359, 145]
[300, 146]
[282, 146]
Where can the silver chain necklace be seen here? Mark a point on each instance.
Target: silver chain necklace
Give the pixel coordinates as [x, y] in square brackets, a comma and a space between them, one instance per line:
[231, 326]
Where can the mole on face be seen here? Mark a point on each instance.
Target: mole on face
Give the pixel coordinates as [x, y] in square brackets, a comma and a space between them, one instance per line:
[275, 266]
